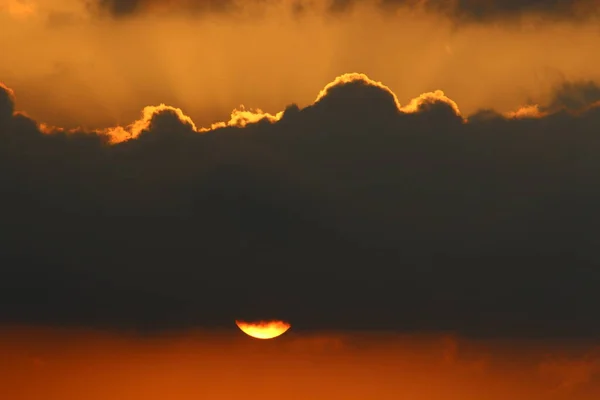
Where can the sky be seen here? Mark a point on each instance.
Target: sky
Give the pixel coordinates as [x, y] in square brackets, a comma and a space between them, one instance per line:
[404, 179]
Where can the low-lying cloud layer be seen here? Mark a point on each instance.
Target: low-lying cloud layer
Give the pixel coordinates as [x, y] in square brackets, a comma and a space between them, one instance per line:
[356, 211]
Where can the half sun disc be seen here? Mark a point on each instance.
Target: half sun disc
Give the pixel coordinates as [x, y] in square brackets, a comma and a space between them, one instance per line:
[263, 329]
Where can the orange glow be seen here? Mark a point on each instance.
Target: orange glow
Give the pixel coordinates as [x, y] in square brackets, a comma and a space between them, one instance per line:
[263, 329]
[82, 365]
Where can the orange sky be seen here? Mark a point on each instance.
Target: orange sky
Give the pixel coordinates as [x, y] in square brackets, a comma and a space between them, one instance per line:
[70, 67]
[76, 365]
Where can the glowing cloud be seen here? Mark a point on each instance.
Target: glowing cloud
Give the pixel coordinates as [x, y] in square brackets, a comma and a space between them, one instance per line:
[242, 117]
[417, 103]
[531, 111]
[355, 77]
[119, 134]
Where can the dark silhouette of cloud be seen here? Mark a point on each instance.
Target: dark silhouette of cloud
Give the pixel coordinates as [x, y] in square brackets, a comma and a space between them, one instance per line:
[353, 212]
[574, 96]
[494, 9]
[7, 105]
[124, 8]
[120, 7]
[479, 10]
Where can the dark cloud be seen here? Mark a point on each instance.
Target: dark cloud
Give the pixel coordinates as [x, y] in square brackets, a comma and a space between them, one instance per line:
[124, 8]
[574, 96]
[462, 9]
[492, 9]
[353, 212]
[7, 105]
[121, 7]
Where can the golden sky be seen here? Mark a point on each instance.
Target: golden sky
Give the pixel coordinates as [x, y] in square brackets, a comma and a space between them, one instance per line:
[71, 65]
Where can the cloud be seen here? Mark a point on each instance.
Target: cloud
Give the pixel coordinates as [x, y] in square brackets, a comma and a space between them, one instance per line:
[125, 8]
[7, 104]
[574, 96]
[369, 213]
[344, 89]
[464, 10]
[161, 118]
[121, 7]
[495, 9]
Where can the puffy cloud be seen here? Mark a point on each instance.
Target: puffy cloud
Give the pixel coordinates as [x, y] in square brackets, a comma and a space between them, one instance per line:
[356, 92]
[159, 118]
[242, 117]
[163, 118]
[356, 79]
[417, 217]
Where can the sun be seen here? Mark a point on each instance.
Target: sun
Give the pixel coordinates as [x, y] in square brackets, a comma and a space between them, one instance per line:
[263, 329]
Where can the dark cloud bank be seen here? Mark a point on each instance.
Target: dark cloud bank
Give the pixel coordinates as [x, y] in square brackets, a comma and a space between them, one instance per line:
[473, 10]
[345, 214]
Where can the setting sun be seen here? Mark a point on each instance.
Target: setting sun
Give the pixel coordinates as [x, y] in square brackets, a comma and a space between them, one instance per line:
[263, 329]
